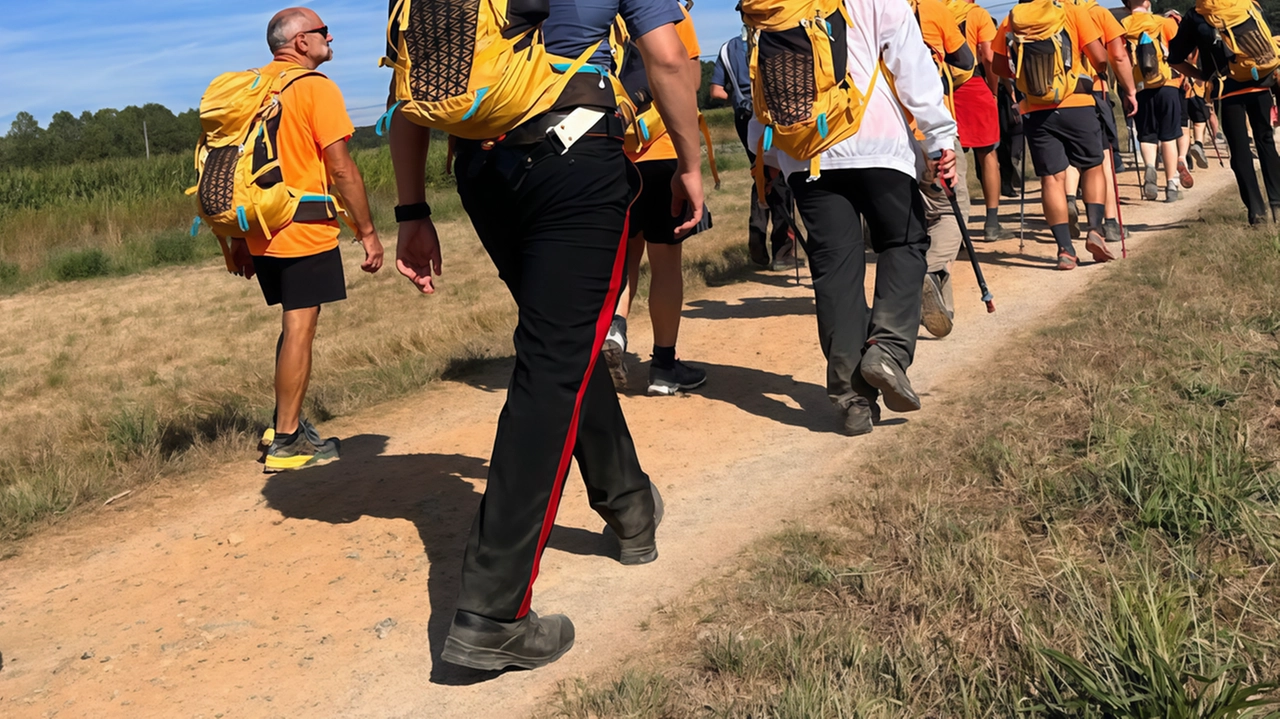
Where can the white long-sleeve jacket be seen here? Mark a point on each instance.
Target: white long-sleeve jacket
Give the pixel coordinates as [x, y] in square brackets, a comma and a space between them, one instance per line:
[886, 30]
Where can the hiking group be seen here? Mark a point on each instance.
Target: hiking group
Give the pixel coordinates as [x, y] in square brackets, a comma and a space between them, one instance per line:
[575, 141]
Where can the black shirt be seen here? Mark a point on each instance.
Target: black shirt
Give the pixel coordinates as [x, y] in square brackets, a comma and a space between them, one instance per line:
[1195, 33]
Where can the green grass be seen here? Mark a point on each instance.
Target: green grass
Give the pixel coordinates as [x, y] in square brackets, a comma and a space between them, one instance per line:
[1096, 535]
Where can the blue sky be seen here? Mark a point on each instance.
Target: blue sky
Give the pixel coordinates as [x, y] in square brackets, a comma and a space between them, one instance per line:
[64, 55]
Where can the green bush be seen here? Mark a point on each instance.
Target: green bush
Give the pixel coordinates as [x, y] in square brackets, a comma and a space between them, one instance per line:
[81, 265]
[175, 249]
[9, 273]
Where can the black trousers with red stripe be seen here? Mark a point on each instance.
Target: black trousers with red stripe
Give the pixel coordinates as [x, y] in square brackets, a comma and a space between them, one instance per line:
[555, 227]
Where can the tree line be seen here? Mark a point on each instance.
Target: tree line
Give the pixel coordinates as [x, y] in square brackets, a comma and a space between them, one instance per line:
[100, 135]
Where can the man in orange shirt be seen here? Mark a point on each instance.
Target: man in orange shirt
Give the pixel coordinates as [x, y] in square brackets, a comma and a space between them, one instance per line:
[975, 104]
[652, 225]
[300, 268]
[1067, 132]
[1159, 103]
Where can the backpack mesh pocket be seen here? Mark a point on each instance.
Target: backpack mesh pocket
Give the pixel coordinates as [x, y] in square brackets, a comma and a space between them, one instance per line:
[1040, 60]
[786, 75]
[1148, 60]
[217, 181]
[440, 39]
[1253, 42]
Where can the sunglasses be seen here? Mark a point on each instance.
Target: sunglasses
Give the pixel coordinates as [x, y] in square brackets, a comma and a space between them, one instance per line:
[323, 31]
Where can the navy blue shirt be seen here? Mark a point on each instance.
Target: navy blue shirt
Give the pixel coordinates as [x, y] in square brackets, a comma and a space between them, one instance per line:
[1195, 33]
[575, 25]
[740, 91]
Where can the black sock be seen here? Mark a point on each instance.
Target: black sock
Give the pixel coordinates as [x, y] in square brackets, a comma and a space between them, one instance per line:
[283, 439]
[1062, 235]
[1095, 212]
[993, 214]
[664, 357]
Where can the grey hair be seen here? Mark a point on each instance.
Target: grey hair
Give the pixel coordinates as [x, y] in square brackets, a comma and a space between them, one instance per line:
[278, 34]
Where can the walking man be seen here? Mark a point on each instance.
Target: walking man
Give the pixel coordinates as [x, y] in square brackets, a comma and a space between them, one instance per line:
[552, 215]
[1159, 101]
[300, 268]
[731, 81]
[976, 114]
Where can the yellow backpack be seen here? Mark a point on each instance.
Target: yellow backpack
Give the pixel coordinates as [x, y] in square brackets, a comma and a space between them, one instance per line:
[960, 12]
[801, 88]
[1041, 53]
[1144, 36]
[241, 191]
[647, 126]
[1251, 50]
[474, 68]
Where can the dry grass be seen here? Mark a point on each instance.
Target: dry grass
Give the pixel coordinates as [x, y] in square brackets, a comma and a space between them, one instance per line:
[111, 382]
[1096, 535]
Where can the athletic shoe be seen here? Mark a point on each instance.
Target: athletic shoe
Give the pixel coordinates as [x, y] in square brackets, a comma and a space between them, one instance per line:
[935, 316]
[643, 547]
[615, 352]
[1150, 187]
[859, 417]
[301, 451]
[757, 249]
[527, 643]
[680, 376]
[1184, 174]
[1198, 155]
[1172, 193]
[1007, 189]
[1097, 247]
[1111, 230]
[1073, 218]
[785, 258]
[1067, 261]
[992, 231]
[1118, 163]
[881, 371]
[269, 434]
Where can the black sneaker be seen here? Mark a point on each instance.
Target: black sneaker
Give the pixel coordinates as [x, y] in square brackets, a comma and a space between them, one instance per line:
[756, 248]
[679, 377]
[860, 416]
[1150, 188]
[304, 450]
[1007, 189]
[881, 371]
[615, 352]
[1198, 154]
[1111, 230]
[643, 547]
[992, 231]
[482, 643]
[786, 258]
[934, 314]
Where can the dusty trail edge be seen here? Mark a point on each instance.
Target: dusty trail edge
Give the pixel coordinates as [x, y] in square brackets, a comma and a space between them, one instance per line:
[327, 591]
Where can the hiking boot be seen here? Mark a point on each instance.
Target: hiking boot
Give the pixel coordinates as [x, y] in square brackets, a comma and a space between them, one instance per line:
[1150, 186]
[1067, 261]
[1097, 247]
[860, 416]
[615, 352]
[1007, 189]
[302, 450]
[786, 258]
[528, 643]
[992, 231]
[678, 378]
[1197, 154]
[881, 371]
[1111, 230]
[1172, 193]
[1073, 218]
[934, 313]
[757, 250]
[643, 547]
[1184, 175]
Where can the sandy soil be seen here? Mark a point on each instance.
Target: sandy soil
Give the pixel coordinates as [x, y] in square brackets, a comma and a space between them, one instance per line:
[327, 592]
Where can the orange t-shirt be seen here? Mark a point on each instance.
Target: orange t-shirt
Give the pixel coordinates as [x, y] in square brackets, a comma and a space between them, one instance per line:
[313, 116]
[978, 28]
[1110, 28]
[939, 28]
[1168, 29]
[663, 148]
[1081, 29]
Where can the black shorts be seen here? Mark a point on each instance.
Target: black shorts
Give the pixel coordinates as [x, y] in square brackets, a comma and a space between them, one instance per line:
[299, 282]
[1197, 110]
[1061, 137]
[651, 211]
[1107, 117]
[1159, 115]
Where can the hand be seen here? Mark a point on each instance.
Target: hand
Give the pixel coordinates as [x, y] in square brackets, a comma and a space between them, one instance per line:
[372, 252]
[1129, 100]
[418, 254]
[686, 187]
[944, 167]
[241, 257]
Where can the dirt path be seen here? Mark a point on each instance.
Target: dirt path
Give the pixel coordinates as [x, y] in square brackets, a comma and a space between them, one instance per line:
[327, 592]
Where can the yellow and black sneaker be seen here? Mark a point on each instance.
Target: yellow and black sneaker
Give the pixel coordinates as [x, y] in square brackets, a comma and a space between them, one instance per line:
[300, 449]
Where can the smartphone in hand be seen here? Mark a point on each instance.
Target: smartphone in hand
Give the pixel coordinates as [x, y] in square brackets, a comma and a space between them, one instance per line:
[703, 225]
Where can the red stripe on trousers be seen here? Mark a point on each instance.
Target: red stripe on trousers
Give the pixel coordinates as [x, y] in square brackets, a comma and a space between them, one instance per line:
[566, 454]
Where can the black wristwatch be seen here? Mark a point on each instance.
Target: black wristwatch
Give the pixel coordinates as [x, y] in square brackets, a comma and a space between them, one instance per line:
[416, 211]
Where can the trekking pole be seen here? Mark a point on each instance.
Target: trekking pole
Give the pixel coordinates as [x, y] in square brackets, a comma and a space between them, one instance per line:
[968, 242]
[1115, 184]
[1135, 146]
[1022, 203]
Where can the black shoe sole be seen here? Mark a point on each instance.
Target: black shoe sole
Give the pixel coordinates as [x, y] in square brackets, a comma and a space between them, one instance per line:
[494, 660]
[614, 358]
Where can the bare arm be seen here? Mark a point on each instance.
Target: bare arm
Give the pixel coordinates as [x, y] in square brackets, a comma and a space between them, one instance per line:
[986, 56]
[1118, 56]
[346, 177]
[667, 64]
[718, 92]
[417, 245]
